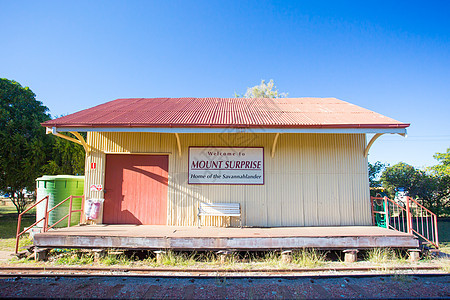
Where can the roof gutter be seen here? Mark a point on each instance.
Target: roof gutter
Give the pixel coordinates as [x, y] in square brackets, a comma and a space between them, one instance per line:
[374, 130]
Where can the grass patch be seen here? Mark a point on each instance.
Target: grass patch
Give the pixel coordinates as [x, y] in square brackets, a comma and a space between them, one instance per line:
[385, 255]
[8, 227]
[80, 257]
[8, 209]
[309, 258]
[185, 259]
[116, 258]
[270, 259]
[72, 257]
[111, 260]
[306, 258]
[171, 258]
[8, 221]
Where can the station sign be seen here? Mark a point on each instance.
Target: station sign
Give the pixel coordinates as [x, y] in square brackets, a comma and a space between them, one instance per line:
[227, 165]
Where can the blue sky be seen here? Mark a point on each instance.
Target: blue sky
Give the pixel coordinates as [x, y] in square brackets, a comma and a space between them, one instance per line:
[392, 57]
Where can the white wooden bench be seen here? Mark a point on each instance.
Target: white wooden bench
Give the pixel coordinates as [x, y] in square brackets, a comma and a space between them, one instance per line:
[219, 210]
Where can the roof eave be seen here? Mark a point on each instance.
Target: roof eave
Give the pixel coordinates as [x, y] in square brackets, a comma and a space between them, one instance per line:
[392, 128]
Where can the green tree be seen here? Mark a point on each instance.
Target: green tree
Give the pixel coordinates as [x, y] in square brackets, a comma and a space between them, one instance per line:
[434, 193]
[375, 171]
[431, 190]
[401, 175]
[66, 158]
[23, 142]
[439, 196]
[443, 168]
[264, 90]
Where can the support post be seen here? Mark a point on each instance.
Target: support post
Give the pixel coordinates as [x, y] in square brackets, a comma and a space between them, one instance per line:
[82, 209]
[351, 255]
[386, 212]
[414, 255]
[224, 255]
[17, 235]
[372, 201]
[40, 254]
[70, 212]
[98, 253]
[286, 256]
[436, 237]
[408, 216]
[46, 215]
[159, 255]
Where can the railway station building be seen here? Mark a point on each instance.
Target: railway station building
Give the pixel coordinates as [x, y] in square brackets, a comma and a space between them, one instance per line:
[288, 162]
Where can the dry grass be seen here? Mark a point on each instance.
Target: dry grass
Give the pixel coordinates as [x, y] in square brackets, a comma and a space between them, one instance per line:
[309, 258]
[385, 256]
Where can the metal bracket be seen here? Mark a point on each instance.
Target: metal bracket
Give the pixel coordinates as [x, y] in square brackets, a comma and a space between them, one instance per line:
[79, 141]
[275, 144]
[178, 143]
[374, 138]
[86, 147]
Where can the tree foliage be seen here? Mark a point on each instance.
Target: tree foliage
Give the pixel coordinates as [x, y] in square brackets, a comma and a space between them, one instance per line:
[375, 171]
[23, 142]
[443, 168]
[435, 194]
[401, 175]
[66, 158]
[432, 190]
[26, 152]
[263, 90]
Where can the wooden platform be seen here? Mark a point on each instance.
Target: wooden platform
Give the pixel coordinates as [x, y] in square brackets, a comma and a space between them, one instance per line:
[216, 238]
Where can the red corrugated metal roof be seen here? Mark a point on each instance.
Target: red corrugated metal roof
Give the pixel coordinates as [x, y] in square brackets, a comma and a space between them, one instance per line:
[227, 112]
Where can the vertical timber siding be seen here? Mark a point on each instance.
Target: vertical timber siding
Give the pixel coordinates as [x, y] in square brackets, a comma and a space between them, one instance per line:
[313, 180]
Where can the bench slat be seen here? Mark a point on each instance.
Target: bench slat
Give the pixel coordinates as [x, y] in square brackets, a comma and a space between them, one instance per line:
[220, 209]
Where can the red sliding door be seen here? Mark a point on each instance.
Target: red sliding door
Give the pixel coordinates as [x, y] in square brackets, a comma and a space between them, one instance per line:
[136, 189]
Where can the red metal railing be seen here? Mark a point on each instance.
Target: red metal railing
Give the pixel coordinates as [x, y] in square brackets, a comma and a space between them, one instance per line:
[19, 221]
[46, 216]
[69, 215]
[424, 223]
[406, 216]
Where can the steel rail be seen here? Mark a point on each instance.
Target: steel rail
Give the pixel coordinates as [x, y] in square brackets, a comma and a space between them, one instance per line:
[88, 271]
[220, 274]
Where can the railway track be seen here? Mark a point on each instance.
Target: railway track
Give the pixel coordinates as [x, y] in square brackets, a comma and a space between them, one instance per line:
[220, 286]
[124, 271]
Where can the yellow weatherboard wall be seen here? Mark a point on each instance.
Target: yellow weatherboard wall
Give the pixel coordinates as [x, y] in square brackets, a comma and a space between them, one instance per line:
[313, 179]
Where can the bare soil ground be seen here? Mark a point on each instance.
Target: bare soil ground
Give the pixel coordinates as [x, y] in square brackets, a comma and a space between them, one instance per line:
[5, 256]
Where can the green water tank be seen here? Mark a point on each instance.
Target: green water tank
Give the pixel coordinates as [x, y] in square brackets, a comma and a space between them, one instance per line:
[58, 188]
